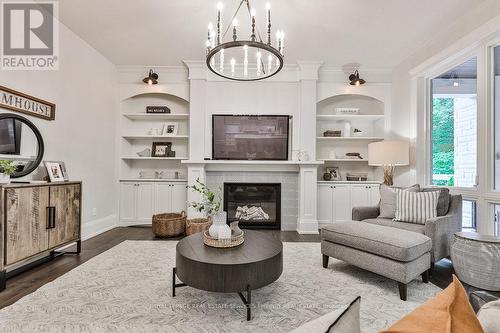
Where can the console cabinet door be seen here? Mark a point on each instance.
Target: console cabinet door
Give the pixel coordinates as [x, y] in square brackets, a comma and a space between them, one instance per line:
[325, 204]
[145, 202]
[178, 197]
[163, 200]
[360, 195]
[66, 200]
[128, 202]
[25, 222]
[374, 195]
[342, 210]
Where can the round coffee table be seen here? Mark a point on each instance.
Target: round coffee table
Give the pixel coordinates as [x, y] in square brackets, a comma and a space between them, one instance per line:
[475, 258]
[252, 265]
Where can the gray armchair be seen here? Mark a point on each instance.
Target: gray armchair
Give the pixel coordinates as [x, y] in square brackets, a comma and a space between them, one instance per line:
[440, 229]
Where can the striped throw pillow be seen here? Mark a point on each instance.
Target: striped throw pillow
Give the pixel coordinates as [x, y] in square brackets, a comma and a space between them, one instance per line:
[416, 207]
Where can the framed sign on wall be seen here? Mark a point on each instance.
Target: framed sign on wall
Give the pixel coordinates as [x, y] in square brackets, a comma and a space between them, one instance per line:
[19, 102]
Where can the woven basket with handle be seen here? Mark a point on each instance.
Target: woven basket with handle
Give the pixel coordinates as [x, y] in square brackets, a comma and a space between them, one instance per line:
[169, 224]
[194, 226]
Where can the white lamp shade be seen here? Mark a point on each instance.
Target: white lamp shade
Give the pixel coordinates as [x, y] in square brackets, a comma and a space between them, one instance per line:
[395, 153]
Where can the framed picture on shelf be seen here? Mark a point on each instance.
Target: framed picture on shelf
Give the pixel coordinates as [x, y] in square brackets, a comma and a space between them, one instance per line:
[170, 129]
[55, 171]
[335, 172]
[161, 149]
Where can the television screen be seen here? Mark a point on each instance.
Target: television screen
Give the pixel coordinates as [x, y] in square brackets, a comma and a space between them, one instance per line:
[8, 136]
[250, 137]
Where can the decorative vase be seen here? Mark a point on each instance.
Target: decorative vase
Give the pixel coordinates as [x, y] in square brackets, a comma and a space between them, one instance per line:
[219, 223]
[347, 129]
[235, 228]
[4, 178]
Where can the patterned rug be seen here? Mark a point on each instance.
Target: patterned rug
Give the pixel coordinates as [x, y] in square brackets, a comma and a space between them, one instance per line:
[128, 289]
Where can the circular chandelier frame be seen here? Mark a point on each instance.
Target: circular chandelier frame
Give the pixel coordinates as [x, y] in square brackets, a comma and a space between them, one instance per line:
[242, 43]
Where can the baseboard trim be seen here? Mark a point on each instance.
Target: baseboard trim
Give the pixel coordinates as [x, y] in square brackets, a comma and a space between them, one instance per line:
[96, 227]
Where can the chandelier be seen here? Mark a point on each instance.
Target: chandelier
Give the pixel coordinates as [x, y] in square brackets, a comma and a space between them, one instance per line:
[247, 59]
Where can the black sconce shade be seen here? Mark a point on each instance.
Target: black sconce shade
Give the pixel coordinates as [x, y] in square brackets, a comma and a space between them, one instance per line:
[355, 80]
[151, 79]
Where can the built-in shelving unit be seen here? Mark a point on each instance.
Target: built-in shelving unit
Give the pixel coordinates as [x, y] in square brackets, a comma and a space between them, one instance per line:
[370, 120]
[136, 135]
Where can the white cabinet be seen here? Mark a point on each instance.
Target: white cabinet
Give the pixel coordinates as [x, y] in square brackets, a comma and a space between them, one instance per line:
[336, 200]
[140, 200]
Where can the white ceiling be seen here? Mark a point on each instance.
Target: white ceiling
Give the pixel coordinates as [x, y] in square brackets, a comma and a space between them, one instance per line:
[378, 34]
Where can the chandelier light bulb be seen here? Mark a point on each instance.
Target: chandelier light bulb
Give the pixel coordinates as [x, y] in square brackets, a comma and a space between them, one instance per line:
[221, 64]
[233, 63]
[252, 12]
[210, 26]
[259, 63]
[235, 22]
[220, 6]
[268, 6]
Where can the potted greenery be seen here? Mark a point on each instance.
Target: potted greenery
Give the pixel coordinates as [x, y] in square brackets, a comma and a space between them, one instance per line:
[211, 205]
[7, 168]
[358, 132]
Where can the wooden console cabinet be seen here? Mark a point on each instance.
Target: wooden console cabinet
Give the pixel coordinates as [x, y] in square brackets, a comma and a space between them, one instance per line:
[36, 219]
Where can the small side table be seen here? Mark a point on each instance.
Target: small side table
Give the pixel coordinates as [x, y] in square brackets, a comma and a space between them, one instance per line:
[476, 259]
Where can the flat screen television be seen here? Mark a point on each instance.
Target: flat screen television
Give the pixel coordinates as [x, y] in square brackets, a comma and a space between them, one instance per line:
[10, 136]
[238, 137]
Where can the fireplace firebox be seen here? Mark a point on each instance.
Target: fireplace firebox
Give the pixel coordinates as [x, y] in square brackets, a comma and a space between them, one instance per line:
[254, 205]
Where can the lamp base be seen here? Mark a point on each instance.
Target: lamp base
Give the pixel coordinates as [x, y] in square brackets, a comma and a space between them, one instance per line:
[389, 175]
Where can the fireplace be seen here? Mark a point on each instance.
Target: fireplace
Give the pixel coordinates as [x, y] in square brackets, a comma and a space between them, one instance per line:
[254, 205]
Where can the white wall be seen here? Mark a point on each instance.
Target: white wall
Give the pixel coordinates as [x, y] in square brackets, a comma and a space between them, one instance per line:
[403, 117]
[83, 133]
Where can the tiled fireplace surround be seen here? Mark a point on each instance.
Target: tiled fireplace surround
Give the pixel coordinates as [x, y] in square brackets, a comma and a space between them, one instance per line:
[289, 189]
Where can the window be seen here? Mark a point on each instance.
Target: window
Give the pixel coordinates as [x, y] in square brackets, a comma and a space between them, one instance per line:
[497, 220]
[454, 126]
[469, 214]
[496, 93]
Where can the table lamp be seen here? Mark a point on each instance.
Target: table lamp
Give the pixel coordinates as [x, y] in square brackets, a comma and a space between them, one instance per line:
[389, 154]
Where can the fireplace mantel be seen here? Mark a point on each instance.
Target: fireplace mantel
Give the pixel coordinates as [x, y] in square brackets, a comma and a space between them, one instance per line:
[252, 165]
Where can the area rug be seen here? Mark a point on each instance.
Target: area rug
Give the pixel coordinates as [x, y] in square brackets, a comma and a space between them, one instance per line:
[128, 289]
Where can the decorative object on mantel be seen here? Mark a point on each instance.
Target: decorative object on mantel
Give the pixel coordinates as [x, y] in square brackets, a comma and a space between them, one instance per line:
[389, 154]
[357, 132]
[7, 168]
[356, 177]
[16, 101]
[55, 171]
[303, 156]
[157, 109]
[161, 149]
[353, 156]
[334, 172]
[211, 204]
[146, 152]
[170, 129]
[249, 60]
[232, 241]
[167, 174]
[332, 133]
[152, 78]
[196, 225]
[346, 111]
[327, 176]
[169, 224]
[355, 79]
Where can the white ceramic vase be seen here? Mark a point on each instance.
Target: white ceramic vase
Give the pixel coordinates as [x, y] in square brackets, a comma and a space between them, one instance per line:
[218, 224]
[4, 178]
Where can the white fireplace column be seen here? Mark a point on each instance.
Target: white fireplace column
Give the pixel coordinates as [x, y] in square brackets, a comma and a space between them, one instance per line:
[307, 223]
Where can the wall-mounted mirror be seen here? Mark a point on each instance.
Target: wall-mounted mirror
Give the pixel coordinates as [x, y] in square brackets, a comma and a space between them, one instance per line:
[21, 142]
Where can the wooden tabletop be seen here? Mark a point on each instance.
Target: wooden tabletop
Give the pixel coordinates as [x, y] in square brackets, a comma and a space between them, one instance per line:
[257, 247]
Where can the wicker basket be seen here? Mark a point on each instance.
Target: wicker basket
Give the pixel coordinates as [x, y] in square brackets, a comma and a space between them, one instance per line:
[223, 243]
[194, 226]
[169, 224]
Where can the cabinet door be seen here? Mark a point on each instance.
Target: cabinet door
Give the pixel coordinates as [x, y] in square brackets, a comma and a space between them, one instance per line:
[360, 195]
[66, 200]
[145, 202]
[128, 202]
[25, 222]
[374, 195]
[342, 210]
[325, 202]
[163, 202]
[179, 197]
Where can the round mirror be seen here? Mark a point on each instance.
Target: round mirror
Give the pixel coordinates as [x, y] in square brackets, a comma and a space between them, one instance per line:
[21, 142]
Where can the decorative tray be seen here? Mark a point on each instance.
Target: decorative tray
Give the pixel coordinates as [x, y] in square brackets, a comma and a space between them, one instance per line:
[223, 243]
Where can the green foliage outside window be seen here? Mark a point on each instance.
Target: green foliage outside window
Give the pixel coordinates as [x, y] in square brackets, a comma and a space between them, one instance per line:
[443, 140]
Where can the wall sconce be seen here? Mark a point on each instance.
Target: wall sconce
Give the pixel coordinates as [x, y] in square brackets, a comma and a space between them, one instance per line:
[151, 79]
[355, 80]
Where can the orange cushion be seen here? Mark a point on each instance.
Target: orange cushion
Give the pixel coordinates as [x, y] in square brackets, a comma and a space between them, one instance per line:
[448, 312]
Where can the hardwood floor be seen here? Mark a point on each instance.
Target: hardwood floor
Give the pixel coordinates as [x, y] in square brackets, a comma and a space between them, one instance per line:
[29, 281]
